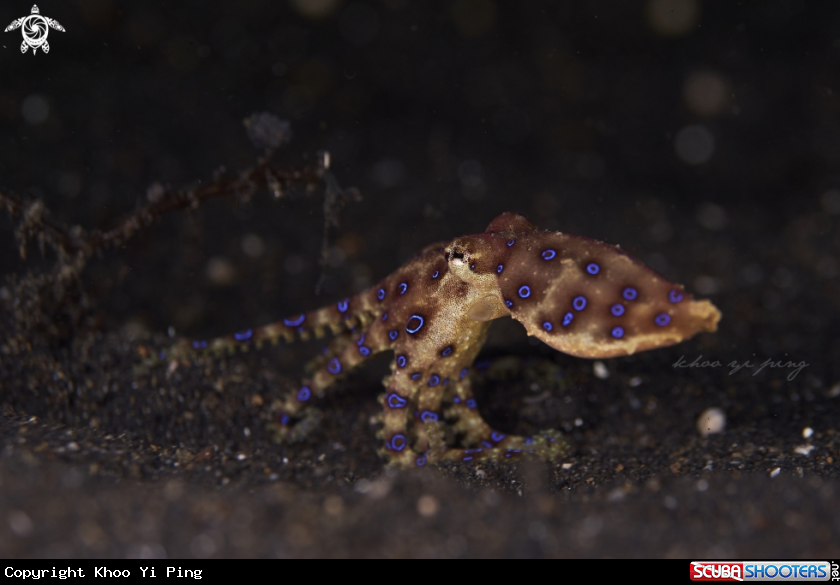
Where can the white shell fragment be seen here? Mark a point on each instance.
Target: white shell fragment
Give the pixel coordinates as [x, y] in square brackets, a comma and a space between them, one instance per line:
[711, 421]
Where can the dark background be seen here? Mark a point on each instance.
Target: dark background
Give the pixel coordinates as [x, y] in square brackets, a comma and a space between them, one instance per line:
[703, 137]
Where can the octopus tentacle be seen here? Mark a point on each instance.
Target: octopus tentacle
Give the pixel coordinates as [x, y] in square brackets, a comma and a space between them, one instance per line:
[343, 354]
[546, 445]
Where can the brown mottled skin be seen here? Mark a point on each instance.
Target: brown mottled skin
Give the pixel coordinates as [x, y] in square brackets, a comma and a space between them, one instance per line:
[434, 313]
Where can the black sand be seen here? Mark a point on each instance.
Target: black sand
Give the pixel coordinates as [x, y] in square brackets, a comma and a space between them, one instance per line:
[443, 115]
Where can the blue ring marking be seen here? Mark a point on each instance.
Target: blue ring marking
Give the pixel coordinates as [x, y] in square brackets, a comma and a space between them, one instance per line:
[662, 319]
[436, 274]
[199, 344]
[487, 444]
[361, 340]
[499, 268]
[385, 316]
[547, 326]
[617, 332]
[471, 403]
[396, 401]
[567, 318]
[434, 380]
[497, 436]
[529, 440]
[304, 394]
[401, 361]
[301, 329]
[508, 304]
[579, 303]
[162, 355]
[380, 294]
[617, 309]
[428, 416]
[507, 455]
[342, 305]
[334, 367]
[593, 268]
[393, 333]
[364, 350]
[511, 243]
[456, 400]
[446, 381]
[403, 287]
[415, 376]
[294, 322]
[524, 291]
[675, 296]
[415, 329]
[447, 351]
[549, 254]
[629, 293]
[397, 442]
[467, 459]
[243, 335]
[463, 373]
[284, 420]
[421, 461]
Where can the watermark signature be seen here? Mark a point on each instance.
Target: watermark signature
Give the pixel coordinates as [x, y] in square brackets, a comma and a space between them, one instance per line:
[736, 366]
[35, 29]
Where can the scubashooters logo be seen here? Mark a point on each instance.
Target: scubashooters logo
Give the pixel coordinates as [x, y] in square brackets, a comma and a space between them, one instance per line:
[764, 571]
[35, 29]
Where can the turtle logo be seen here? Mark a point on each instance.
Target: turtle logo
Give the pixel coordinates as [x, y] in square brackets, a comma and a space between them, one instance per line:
[35, 28]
